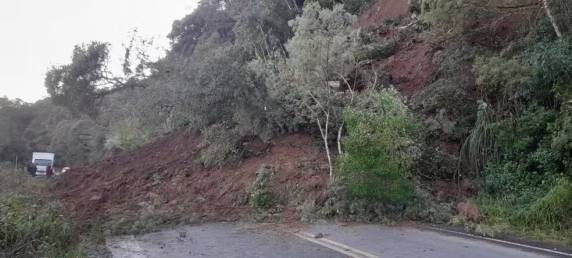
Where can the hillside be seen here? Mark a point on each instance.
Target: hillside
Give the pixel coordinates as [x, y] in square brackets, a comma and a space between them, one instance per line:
[447, 112]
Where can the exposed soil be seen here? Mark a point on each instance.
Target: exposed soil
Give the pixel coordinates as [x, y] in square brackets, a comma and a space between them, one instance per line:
[165, 174]
[499, 30]
[411, 68]
[382, 10]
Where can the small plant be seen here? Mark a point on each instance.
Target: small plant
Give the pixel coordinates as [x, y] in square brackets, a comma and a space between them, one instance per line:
[262, 199]
[261, 196]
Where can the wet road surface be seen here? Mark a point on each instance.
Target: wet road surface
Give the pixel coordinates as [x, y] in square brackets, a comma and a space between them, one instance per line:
[328, 240]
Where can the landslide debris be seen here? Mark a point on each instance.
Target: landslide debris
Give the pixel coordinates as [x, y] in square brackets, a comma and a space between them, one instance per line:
[165, 177]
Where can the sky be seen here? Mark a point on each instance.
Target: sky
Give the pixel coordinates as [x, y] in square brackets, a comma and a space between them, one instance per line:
[38, 34]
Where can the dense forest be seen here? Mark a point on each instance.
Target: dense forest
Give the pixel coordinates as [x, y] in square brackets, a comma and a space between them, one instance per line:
[488, 119]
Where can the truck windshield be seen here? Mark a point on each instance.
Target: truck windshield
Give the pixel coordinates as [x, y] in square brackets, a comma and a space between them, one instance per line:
[43, 162]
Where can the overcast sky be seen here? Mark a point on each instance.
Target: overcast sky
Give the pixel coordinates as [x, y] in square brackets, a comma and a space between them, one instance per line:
[36, 34]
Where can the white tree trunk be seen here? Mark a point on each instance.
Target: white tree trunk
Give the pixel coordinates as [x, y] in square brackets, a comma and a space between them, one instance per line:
[324, 134]
[552, 18]
[340, 130]
[330, 166]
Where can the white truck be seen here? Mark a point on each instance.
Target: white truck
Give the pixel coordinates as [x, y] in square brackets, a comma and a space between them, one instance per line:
[44, 163]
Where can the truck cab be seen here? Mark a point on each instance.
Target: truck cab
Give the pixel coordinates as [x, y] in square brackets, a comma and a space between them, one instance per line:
[44, 163]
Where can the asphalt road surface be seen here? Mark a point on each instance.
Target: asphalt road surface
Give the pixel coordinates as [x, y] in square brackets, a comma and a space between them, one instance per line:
[247, 240]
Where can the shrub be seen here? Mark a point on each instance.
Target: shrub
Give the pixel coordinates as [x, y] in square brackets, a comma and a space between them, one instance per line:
[553, 62]
[128, 134]
[221, 144]
[503, 79]
[343, 204]
[376, 51]
[261, 197]
[352, 6]
[32, 228]
[444, 13]
[551, 211]
[448, 95]
[562, 140]
[376, 165]
[525, 134]
[524, 184]
[523, 157]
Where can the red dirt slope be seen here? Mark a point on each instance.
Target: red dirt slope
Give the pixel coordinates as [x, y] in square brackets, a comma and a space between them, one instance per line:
[166, 175]
[382, 10]
[411, 68]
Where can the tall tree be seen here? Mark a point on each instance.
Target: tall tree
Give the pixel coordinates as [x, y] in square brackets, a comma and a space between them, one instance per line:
[15, 116]
[262, 27]
[75, 85]
[209, 18]
[315, 74]
[80, 85]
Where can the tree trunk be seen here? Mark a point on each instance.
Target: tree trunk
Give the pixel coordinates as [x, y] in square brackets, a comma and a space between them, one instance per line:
[324, 133]
[340, 139]
[330, 166]
[552, 18]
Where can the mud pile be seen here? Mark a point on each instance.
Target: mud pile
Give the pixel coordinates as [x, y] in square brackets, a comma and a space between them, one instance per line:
[167, 175]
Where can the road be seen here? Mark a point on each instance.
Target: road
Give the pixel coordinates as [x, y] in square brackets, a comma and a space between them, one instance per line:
[328, 240]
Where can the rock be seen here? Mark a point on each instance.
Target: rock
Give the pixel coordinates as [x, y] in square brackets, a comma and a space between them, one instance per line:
[469, 210]
[318, 235]
[96, 197]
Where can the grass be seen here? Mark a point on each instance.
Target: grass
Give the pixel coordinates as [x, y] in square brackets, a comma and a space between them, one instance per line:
[545, 219]
[31, 225]
[32, 228]
[19, 181]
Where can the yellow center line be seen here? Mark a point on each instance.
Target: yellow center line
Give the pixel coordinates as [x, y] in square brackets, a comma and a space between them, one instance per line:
[338, 247]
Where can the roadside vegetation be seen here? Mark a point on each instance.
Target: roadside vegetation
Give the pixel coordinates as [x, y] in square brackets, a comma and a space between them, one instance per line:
[489, 123]
[526, 173]
[518, 149]
[31, 225]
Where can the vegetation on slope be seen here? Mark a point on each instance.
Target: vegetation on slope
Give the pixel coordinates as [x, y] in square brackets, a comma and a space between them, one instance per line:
[489, 120]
